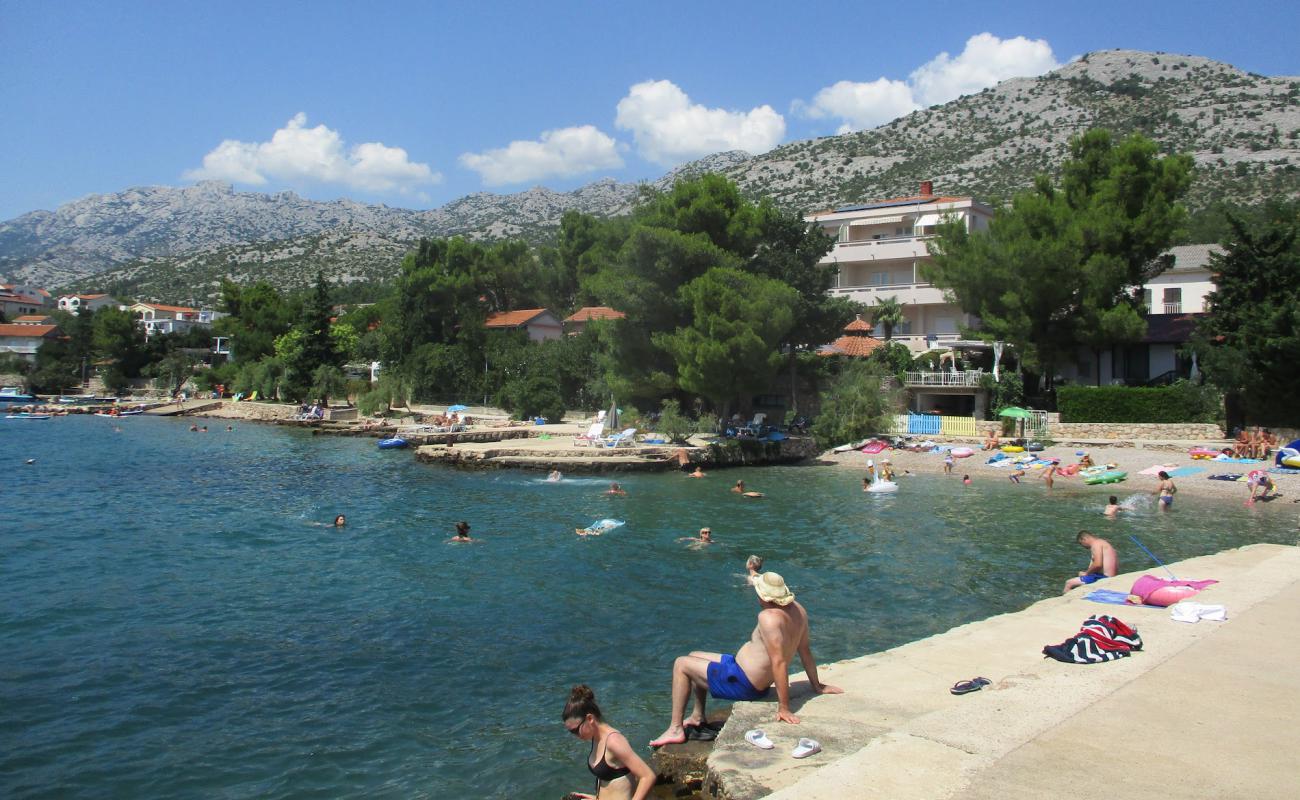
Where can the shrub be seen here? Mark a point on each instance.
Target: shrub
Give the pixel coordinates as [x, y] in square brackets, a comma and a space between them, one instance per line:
[532, 396]
[673, 423]
[856, 405]
[1181, 402]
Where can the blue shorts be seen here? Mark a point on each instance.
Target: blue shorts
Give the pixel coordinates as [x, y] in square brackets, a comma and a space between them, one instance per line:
[727, 681]
[1091, 577]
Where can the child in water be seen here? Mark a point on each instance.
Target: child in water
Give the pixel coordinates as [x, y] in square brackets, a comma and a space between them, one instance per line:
[1113, 509]
[1016, 476]
[965, 479]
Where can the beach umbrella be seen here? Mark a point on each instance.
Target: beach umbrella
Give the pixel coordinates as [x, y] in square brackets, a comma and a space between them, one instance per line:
[457, 407]
[1014, 412]
[611, 416]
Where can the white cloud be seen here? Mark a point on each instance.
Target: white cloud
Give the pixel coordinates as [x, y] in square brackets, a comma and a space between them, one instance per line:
[560, 153]
[985, 61]
[861, 105]
[669, 128]
[297, 153]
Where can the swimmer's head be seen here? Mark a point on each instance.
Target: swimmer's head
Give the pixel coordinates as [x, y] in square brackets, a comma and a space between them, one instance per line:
[462, 528]
[754, 562]
[340, 521]
[1114, 500]
[706, 533]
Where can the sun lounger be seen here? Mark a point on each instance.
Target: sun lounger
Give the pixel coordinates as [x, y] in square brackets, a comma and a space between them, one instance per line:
[624, 439]
[591, 437]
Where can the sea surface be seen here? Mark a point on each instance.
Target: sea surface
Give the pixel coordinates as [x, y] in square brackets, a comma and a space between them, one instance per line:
[177, 621]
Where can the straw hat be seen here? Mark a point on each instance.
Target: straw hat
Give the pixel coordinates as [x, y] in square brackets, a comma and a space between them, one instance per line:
[771, 588]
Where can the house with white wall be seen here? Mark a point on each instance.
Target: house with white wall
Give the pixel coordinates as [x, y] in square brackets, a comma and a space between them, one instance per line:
[18, 299]
[879, 250]
[160, 318]
[24, 339]
[1175, 300]
[75, 303]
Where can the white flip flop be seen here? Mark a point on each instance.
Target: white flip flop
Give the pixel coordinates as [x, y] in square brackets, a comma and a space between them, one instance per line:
[806, 747]
[759, 739]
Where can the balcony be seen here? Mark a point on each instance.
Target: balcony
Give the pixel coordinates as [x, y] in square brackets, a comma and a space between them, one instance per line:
[883, 249]
[966, 379]
[1173, 308]
[913, 293]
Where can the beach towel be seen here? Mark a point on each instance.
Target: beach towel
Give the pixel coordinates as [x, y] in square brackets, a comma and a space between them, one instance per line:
[1222, 459]
[1183, 472]
[1227, 476]
[1099, 639]
[1156, 469]
[1284, 470]
[1114, 598]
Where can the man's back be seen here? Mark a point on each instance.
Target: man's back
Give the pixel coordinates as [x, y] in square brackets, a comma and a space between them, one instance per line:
[783, 625]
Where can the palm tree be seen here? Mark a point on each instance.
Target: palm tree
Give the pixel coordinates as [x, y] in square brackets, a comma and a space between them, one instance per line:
[887, 312]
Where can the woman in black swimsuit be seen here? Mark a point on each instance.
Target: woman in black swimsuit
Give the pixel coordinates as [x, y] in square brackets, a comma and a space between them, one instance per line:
[620, 772]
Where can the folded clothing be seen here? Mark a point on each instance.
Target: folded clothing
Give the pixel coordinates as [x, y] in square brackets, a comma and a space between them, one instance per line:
[1188, 611]
[1099, 639]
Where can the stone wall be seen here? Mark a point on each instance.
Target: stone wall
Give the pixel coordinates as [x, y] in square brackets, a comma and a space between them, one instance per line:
[1059, 431]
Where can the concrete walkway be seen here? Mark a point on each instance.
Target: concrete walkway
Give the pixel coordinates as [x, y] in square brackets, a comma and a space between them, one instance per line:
[1207, 709]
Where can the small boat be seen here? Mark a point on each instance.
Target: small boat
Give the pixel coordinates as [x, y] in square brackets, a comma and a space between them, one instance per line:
[131, 413]
[28, 415]
[10, 394]
[391, 444]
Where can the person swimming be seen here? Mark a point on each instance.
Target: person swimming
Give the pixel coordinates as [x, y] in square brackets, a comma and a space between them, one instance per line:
[615, 490]
[739, 489]
[340, 521]
[598, 527]
[753, 567]
[462, 533]
[1113, 507]
[698, 473]
[965, 479]
[705, 537]
[555, 477]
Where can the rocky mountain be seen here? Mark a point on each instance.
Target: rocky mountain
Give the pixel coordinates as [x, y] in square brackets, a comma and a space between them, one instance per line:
[176, 244]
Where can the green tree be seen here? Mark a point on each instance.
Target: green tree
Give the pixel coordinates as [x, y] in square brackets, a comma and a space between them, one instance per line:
[888, 313]
[257, 316]
[326, 382]
[730, 347]
[119, 339]
[858, 403]
[1249, 342]
[1053, 269]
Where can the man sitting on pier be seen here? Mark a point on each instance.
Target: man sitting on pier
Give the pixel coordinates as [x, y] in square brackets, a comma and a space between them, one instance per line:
[1103, 564]
[782, 630]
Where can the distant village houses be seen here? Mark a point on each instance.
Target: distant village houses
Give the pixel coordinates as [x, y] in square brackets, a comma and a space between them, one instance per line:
[540, 324]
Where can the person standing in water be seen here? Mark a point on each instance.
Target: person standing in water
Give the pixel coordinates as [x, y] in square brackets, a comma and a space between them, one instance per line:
[1166, 491]
[620, 773]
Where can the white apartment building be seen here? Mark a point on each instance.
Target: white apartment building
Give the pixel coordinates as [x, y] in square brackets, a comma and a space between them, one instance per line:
[159, 318]
[879, 249]
[74, 303]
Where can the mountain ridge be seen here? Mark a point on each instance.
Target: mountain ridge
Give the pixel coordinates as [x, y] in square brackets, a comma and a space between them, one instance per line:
[176, 243]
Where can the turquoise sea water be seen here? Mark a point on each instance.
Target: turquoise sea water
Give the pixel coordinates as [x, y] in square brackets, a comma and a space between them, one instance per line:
[175, 623]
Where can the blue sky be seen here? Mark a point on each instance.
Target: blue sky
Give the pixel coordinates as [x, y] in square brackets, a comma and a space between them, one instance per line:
[416, 104]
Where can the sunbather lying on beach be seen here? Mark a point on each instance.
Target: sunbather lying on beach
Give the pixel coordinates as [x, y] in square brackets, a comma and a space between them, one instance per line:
[782, 631]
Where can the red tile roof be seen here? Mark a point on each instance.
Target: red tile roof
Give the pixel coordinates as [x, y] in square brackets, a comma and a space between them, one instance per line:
[854, 346]
[27, 331]
[588, 313]
[31, 319]
[513, 319]
[860, 324]
[175, 309]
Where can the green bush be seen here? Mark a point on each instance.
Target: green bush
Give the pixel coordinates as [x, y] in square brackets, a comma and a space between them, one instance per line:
[856, 405]
[532, 396]
[1181, 402]
[673, 424]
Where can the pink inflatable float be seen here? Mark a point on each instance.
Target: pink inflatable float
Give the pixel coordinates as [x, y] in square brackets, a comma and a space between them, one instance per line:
[962, 452]
[874, 447]
[1202, 452]
[1155, 591]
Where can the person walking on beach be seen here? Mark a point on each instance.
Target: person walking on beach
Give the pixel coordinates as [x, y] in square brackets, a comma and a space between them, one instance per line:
[764, 660]
[1103, 564]
[947, 463]
[620, 772]
[1166, 491]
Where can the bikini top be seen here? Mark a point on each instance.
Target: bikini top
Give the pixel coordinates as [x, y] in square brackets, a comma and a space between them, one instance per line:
[602, 770]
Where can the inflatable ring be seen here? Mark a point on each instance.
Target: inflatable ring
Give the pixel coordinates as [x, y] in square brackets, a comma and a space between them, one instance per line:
[1012, 448]
[1069, 469]
[1293, 462]
[962, 452]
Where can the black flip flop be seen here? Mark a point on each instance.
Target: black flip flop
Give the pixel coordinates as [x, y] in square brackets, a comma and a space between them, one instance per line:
[700, 733]
[973, 685]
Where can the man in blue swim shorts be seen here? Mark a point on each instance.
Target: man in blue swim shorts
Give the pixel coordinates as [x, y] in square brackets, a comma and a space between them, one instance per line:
[763, 661]
[1103, 564]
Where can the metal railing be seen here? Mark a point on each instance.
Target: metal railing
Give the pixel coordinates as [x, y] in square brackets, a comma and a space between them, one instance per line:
[1173, 308]
[967, 378]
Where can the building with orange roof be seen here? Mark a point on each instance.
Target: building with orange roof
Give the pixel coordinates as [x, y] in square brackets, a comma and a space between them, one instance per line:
[74, 303]
[17, 300]
[576, 322]
[857, 341]
[879, 249]
[162, 318]
[23, 340]
[540, 323]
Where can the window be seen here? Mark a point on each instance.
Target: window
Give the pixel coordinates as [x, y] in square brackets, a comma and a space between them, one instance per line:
[1173, 301]
[843, 235]
[880, 279]
[1146, 300]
